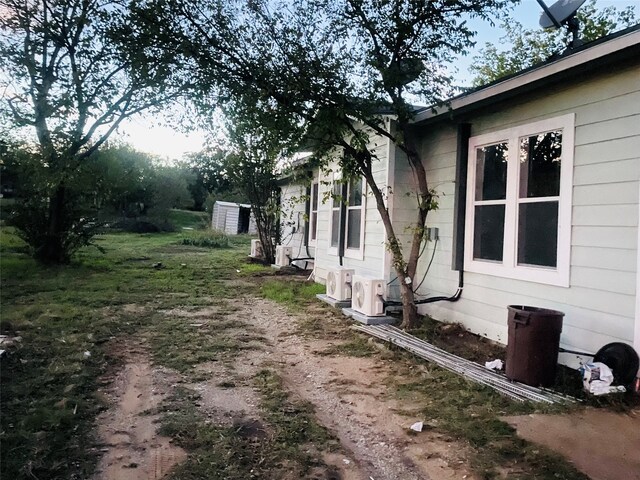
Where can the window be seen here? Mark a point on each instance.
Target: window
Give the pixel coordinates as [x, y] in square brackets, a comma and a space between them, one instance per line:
[350, 203]
[313, 214]
[519, 202]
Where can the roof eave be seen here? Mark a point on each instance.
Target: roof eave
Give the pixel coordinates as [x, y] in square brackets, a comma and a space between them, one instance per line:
[619, 48]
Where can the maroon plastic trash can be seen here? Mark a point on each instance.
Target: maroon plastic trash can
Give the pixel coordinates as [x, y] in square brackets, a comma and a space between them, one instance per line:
[533, 345]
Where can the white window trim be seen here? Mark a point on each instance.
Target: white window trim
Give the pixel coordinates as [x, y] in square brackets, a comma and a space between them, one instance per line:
[357, 253]
[337, 176]
[315, 188]
[354, 253]
[509, 268]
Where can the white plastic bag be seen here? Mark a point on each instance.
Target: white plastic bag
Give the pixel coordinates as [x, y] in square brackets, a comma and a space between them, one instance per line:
[597, 378]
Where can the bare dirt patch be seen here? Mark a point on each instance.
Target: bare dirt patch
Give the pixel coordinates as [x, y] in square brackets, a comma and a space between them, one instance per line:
[602, 444]
[132, 448]
[351, 398]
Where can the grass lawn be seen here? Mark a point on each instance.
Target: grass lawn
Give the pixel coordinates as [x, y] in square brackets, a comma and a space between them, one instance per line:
[49, 384]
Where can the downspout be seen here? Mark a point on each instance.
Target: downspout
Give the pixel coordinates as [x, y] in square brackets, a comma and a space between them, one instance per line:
[343, 221]
[459, 212]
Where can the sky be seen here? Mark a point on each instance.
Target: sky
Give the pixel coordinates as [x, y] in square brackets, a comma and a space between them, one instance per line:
[169, 143]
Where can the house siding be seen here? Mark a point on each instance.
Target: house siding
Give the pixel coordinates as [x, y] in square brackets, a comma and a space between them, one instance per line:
[293, 221]
[373, 258]
[600, 301]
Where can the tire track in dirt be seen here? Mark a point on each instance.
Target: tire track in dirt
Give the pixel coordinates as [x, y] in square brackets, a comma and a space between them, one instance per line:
[351, 399]
[132, 448]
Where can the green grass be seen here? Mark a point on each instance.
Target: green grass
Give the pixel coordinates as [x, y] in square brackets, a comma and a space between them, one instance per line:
[295, 294]
[189, 219]
[48, 402]
[206, 239]
[284, 443]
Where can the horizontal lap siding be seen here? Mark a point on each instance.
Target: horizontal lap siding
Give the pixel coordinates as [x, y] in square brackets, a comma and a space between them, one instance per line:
[292, 219]
[372, 263]
[600, 302]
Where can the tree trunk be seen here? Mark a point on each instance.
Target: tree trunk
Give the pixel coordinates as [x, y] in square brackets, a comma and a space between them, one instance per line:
[52, 249]
[409, 308]
[265, 227]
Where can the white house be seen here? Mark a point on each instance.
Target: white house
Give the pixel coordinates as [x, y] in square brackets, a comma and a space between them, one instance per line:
[233, 218]
[538, 177]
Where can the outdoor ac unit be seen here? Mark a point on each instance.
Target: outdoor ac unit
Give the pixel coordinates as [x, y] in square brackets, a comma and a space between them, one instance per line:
[283, 255]
[256, 249]
[339, 284]
[366, 295]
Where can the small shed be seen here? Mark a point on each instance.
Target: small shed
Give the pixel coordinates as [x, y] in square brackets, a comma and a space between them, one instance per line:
[233, 218]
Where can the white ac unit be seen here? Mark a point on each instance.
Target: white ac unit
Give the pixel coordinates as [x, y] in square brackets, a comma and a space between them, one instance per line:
[339, 284]
[256, 249]
[283, 256]
[366, 295]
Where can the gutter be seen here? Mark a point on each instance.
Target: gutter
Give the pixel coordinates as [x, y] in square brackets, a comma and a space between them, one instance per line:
[624, 45]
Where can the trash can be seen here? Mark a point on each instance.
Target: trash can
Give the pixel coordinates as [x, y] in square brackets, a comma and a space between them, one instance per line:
[533, 344]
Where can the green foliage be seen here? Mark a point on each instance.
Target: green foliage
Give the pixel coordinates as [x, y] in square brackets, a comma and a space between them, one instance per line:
[73, 73]
[530, 47]
[62, 311]
[210, 179]
[206, 239]
[189, 219]
[293, 293]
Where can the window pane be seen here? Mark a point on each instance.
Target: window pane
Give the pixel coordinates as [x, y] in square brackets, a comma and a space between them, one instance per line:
[336, 194]
[355, 192]
[488, 232]
[354, 218]
[491, 172]
[335, 227]
[314, 197]
[538, 234]
[540, 165]
[312, 221]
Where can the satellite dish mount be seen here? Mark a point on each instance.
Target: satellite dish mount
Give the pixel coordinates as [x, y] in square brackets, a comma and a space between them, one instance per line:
[562, 13]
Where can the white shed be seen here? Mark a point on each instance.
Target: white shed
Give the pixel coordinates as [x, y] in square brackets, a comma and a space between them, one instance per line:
[233, 218]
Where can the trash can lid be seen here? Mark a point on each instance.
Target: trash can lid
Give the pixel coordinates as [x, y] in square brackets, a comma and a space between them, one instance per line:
[534, 310]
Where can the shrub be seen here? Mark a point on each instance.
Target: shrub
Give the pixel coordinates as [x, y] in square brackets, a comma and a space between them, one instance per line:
[206, 239]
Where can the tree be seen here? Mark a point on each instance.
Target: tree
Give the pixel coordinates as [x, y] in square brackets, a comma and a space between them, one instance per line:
[209, 177]
[73, 71]
[252, 167]
[329, 69]
[530, 47]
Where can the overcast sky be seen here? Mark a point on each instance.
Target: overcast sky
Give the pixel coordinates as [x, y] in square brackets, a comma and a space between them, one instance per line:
[167, 142]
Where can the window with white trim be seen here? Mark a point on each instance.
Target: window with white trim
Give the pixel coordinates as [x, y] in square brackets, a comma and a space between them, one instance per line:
[355, 214]
[518, 222]
[353, 205]
[313, 214]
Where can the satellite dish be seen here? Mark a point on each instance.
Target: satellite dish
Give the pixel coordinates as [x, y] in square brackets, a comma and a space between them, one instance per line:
[558, 13]
[563, 12]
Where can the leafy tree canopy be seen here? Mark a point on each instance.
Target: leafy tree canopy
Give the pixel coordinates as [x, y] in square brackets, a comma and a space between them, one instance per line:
[530, 47]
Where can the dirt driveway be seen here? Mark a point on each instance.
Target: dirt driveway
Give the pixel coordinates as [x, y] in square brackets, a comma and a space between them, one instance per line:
[349, 394]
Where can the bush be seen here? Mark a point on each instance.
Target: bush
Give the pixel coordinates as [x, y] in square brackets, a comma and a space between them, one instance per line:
[206, 239]
[142, 225]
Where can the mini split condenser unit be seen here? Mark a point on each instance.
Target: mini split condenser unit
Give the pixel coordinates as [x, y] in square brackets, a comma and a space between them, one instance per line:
[283, 256]
[366, 296]
[339, 284]
[256, 249]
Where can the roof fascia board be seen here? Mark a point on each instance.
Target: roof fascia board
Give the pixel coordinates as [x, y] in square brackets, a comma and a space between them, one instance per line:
[544, 72]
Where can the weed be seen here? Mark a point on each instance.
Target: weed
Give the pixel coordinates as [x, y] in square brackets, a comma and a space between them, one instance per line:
[292, 293]
[360, 346]
[188, 219]
[471, 412]
[48, 403]
[205, 239]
